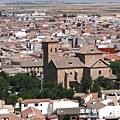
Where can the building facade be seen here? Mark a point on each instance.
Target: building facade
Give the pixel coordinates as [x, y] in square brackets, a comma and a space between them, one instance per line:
[41, 104]
[88, 62]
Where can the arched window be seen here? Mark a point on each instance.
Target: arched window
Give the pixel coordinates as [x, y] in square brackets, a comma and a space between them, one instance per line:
[55, 49]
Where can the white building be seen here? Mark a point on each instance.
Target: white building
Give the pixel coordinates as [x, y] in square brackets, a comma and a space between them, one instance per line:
[41, 104]
[19, 34]
[103, 109]
[4, 109]
[109, 112]
[64, 103]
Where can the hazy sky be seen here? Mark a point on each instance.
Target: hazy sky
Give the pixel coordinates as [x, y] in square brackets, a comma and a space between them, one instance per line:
[61, 0]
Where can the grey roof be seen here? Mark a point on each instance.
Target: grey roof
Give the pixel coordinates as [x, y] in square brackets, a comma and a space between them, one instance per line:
[94, 61]
[96, 104]
[38, 63]
[110, 91]
[89, 50]
[3, 43]
[70, 62]
[70, 111]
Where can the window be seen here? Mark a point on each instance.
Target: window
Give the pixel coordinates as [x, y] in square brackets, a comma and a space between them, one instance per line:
[55, 49]
[70, 73]
[51, 50]
[25, 105]
[70, 62]
[40, 104]
[99, 72]
[73, 118]
[36, 104]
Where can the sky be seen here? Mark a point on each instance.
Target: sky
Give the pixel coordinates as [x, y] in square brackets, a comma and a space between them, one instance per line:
[61, 0]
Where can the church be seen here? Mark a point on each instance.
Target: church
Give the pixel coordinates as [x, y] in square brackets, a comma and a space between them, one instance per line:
[87, 62]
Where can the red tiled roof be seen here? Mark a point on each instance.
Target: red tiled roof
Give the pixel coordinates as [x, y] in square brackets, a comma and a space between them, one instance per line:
[35, 100]
[52, 116]
[112, 57]
[31, 110]
[107, 50]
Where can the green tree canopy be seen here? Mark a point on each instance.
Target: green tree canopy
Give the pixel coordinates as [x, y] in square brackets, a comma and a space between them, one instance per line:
[115, 66]
[28, 87]
[105, 83]
[56, 91]
[4, 88]
[96, 87]
[64, 15]
[86, 83]
[79, 100]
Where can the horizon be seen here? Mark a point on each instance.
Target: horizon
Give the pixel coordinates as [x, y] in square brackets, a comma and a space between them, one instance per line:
[67, 1]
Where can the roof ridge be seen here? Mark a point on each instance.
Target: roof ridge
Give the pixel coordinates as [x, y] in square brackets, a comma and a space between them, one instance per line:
[32, 110]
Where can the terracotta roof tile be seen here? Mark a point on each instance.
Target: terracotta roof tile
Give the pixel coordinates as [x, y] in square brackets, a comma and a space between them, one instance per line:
[31, 110]
[35, 100]
[112, 57]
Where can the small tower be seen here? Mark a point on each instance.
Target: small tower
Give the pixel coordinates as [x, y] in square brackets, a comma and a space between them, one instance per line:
[50, 51]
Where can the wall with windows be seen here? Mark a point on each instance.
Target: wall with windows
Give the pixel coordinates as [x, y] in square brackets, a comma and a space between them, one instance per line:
[109, 112]
[96, 72]
[43, 106]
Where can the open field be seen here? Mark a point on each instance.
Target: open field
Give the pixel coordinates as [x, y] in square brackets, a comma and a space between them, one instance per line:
[69, 8]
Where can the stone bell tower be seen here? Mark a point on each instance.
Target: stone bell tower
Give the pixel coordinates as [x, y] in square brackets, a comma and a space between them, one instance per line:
[50, 51]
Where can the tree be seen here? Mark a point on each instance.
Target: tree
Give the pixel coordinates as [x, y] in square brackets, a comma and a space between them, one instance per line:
[1, 54]
[66, 117]
[118, 76]
[86, 83]
[52, 20]
[105, 83]
[64, 15]
[106, 25]
[115, 66]
[12, 99]
[26, 86]
[79, 100]
[4, 87]
[56, 91]
[95, 88]
[0, 60]
[3, 74]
